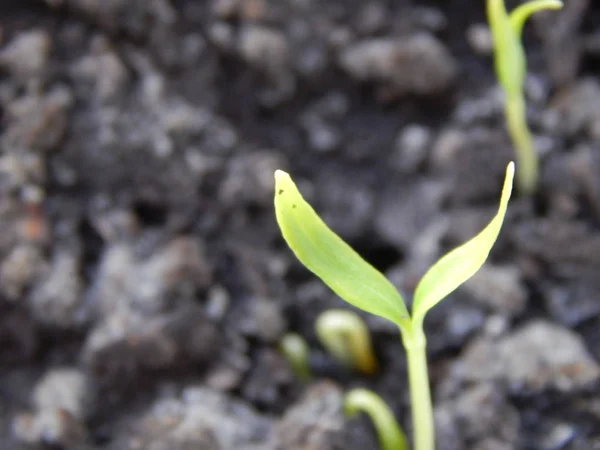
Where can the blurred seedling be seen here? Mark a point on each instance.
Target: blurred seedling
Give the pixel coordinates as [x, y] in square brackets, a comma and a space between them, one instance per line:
[511, 68]
[346, 337]
[296, 351]
[352, 278]
[389, 433]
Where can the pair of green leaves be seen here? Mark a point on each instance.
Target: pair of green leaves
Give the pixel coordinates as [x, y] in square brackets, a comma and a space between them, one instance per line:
[509, 56]
[352, 278]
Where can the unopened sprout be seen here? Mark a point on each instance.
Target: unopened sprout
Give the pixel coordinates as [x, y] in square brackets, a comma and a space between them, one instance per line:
[296, 351]
[389, 433]
[352, 278]
[511, 67]
[345, 336]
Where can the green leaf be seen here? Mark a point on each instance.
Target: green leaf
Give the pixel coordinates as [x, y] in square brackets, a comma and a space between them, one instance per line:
[460, 264]
[521, 13]
[326, 255]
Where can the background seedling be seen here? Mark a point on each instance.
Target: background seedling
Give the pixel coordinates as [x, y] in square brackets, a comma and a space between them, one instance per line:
[360, 284]
[296, 351]
[389, 433]
[511, 68]
[345, 336]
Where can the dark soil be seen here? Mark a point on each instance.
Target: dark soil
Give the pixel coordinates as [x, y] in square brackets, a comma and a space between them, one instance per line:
[144, 285]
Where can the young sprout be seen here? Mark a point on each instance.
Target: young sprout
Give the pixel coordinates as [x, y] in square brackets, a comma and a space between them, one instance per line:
[345, 336]
[352, 278]
[296, 351]
[511, 68]
[389, 433]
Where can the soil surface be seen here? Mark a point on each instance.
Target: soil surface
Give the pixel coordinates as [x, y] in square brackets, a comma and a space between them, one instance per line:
[145, 287]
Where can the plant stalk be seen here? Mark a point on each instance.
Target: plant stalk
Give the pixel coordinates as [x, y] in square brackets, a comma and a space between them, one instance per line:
[527, 163]
[420, 394]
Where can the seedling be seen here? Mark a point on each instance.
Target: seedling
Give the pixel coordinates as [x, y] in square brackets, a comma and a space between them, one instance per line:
[296, 351]
[511, 67]
[352, 278]
[346, 337]
[389, 433]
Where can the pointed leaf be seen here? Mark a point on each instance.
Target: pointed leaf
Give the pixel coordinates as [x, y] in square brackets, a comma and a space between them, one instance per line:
[326, 255]
[521, 13]
[460, 264]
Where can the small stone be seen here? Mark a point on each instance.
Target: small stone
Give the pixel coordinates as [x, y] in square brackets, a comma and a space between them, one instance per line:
[410, 148]
[480, 38]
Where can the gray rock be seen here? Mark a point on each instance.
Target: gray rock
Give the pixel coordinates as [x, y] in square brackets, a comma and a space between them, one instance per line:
[419, 64]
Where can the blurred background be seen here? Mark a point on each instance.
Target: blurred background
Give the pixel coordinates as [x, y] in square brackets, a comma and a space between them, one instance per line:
[145, 287]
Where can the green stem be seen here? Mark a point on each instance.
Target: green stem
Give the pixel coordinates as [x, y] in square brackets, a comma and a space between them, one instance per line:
[420, 395]
[527, 163]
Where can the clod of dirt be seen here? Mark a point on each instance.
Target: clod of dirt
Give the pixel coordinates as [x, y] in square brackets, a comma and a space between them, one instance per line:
[37, 121]
[574, 300]
[63, 399]
[317, 423]
[418, 64]
[561, 40]
[58, 298]
[411, 148]
[579, 106]
[406, 210]
[539, 355]
[268, 378]
[498, 288]
[197, 419]
[104, 69]
[481, 413]
[26, 56]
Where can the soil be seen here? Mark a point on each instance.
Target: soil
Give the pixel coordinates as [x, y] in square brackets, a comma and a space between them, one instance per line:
[144, 285]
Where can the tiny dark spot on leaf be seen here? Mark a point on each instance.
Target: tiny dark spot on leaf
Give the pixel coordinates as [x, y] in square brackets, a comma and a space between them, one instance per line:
[294, 205]
[280, 192]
